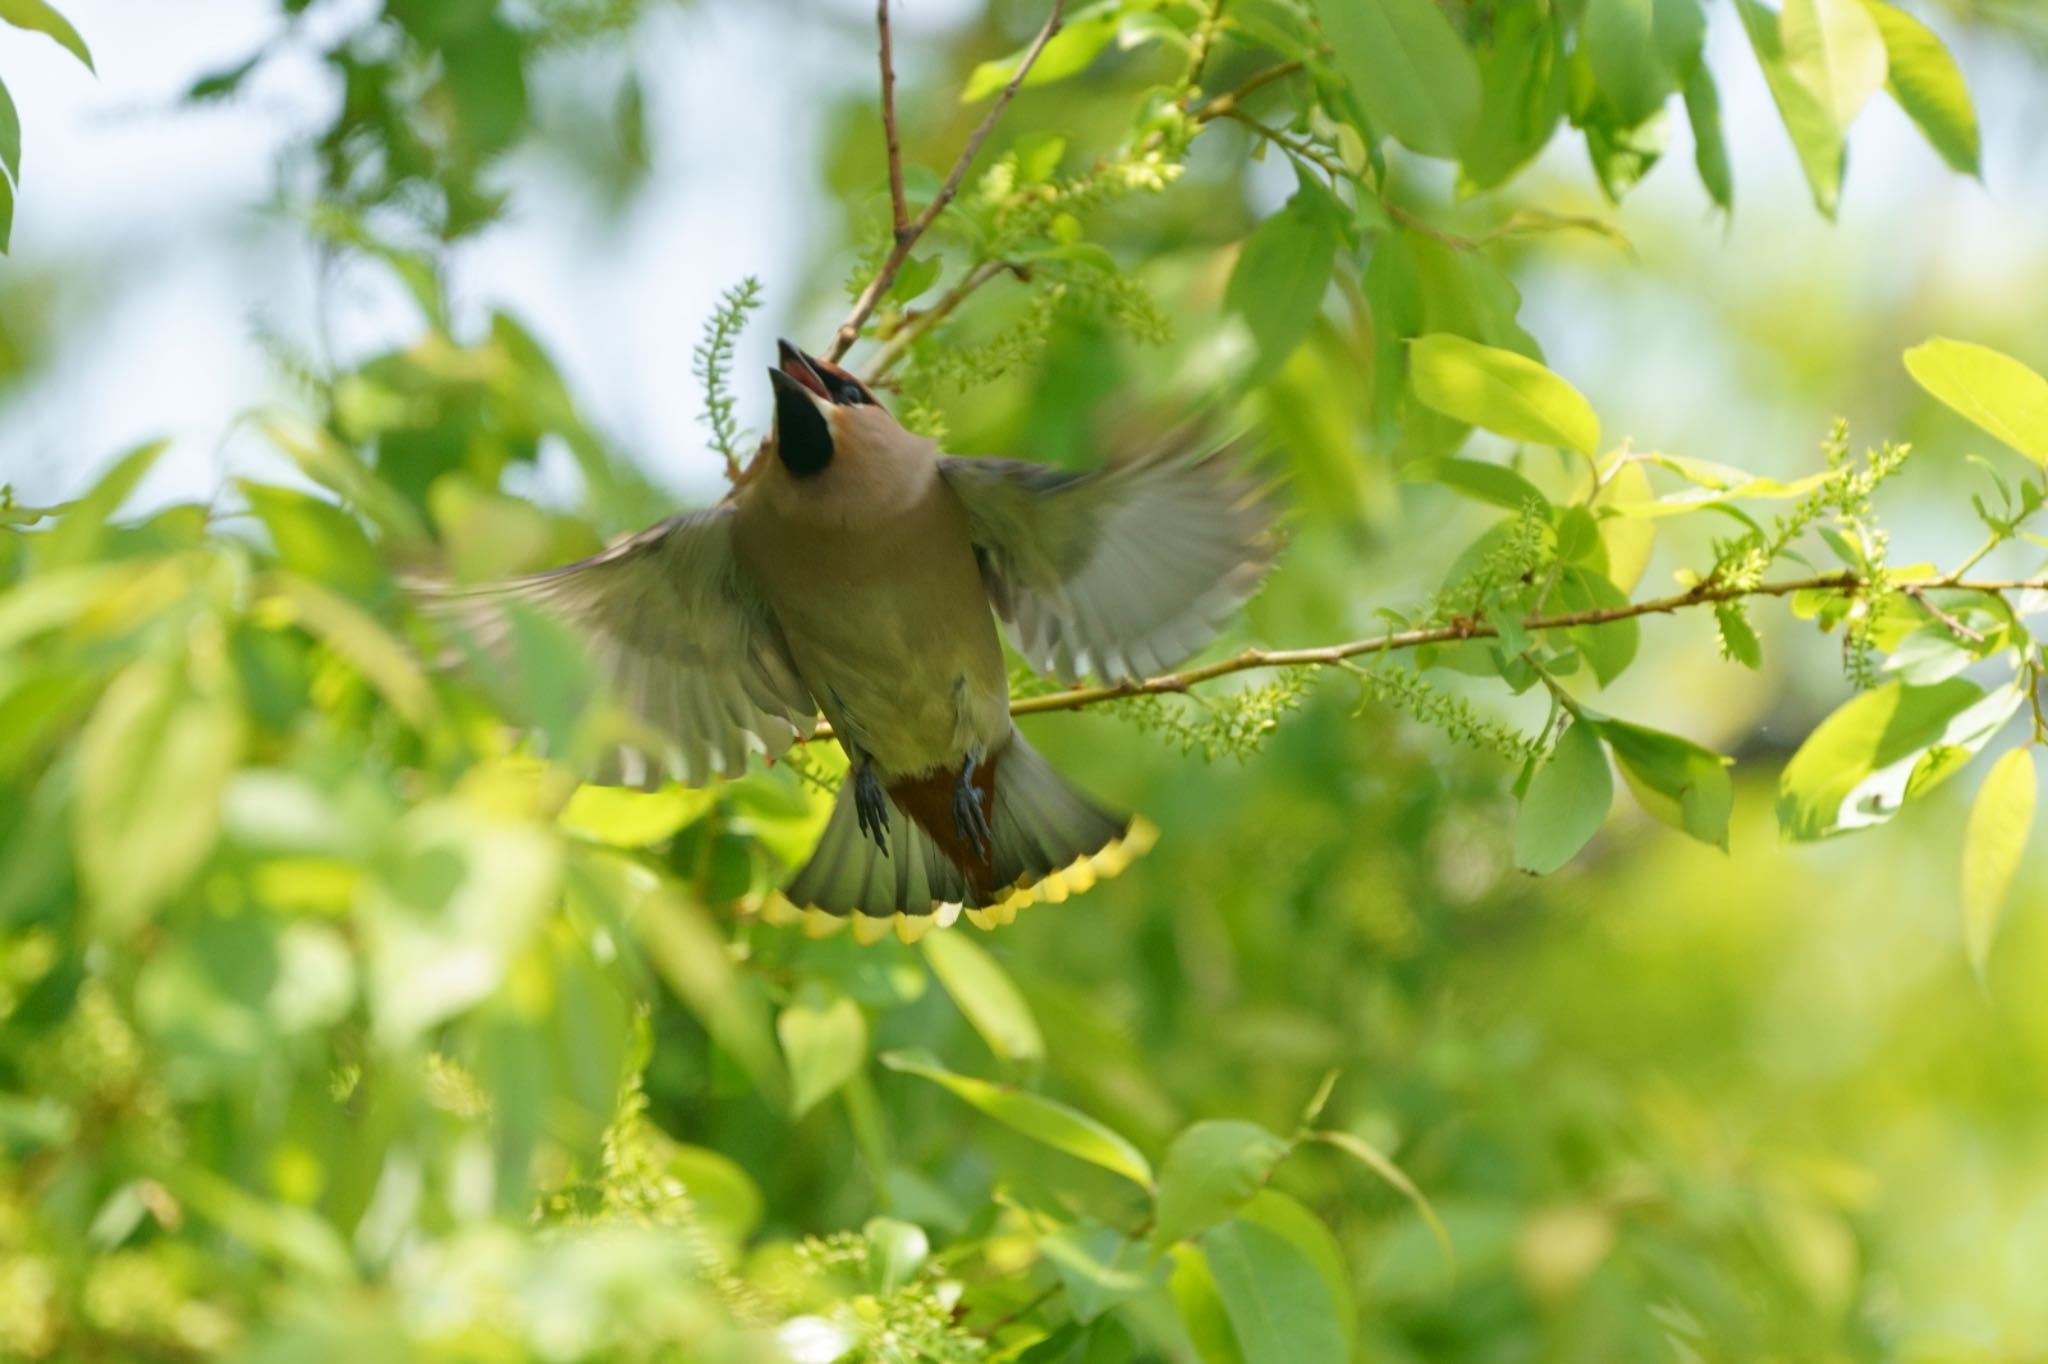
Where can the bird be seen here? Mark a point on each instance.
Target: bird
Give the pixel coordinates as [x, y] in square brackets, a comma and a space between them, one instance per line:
[856, 572]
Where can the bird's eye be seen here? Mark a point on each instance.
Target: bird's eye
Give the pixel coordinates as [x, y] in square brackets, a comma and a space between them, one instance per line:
[850, 394]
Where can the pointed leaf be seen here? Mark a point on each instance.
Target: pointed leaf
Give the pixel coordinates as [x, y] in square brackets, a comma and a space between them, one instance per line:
[1992, 390]
[1036, 1117]
[825, 1040]
[1992, 846]
[1278, 282]
[1709, 146]
[985, 994]
[1681, 783]
[1508, 394]
[1928, 85]
[38, 17]
[1835, 49]
[1211, 1170]
[10, 137]
[1811, 124]
[1566, 803]
[1381, 1164]
[1408, 69]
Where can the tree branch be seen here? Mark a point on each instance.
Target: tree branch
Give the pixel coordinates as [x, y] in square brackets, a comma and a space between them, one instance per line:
[899, 211]
[898, 345]
[906, 238]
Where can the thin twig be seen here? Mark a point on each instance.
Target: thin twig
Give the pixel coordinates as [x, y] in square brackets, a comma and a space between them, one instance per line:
[1221, 106]
[913, 327]
[1307, 151]
[1464, 628]
[864, 306]
[1955, 627]
[1204, 42]
[899, 211]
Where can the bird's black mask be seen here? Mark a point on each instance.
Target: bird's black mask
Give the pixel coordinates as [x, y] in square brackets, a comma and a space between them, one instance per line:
[803, 438]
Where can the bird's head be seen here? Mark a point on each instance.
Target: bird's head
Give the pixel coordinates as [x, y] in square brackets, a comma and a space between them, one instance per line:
[822, 413]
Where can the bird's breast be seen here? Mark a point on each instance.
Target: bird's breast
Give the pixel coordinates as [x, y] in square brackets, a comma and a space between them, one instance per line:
[888, 623]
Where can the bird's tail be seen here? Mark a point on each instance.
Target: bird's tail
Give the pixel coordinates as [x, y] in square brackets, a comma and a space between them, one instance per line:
[1048, 841]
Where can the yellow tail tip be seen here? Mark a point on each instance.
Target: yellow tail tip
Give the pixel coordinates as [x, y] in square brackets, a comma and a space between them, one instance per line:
[1076, 878]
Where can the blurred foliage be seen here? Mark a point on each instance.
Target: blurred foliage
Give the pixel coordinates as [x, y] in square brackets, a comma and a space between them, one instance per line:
[334, 1024]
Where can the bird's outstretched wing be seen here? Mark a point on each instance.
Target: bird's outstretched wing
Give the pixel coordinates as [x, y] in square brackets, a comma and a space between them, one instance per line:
[680, 634]
[1118, 572]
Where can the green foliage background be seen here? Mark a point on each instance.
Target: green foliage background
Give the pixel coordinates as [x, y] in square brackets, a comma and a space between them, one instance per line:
[336, 1024]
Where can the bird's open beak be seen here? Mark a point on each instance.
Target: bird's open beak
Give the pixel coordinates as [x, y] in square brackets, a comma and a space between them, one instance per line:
[802, 368]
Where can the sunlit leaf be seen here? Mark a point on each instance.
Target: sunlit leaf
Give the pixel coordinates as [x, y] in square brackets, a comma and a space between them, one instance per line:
[1857, 768]
[986, 995]
[1566, 803]
[1408, 69]
[1628, 540]
[1928, 85]
[1993, 844]
[1816, 136]
[10, 137]
[1493, 483]
[1834, 49]
[153, 764]
[38, 16]
[1087, 31]
[1211, 1170]
[896, 1251]
[1506, 393]
[1200, 1307]
[1035, 1116]
[1992, 390]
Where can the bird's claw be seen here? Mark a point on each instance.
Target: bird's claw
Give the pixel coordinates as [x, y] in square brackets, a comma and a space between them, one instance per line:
[968, 817]
[871, 806]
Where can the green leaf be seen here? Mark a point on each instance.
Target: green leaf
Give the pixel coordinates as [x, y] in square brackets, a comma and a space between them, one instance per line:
[1709, 147]
[1381, 1164]
[1864, 760]
[1508, 394]
[1200, 1306]
[825, 1040]
[1816, 137]
[1100, 1267]
[1493, 483]
[10, 137]
[621, 817]
[1992, 390]
[1280, 1309]
[1738, 636]
[78, 534]
[1929, 655]
[1928, 85]
[355, 635]
[1681, 783]
[1620, 41]
[1039, 1118]
[985, 994]
[1278, 283]
[1609, 646]
[318, 540]
[335, 467]
[1993, 843]
[6, 213]
[692, 955]
[1212, 1169]
[1407, 68]
[37, 17]
[1069, 53]
[153, 765]
[1288, 1219]
[1566, 803]
[1835, 50]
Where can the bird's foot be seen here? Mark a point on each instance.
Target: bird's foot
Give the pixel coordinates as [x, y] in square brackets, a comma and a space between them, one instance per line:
[968, 817]
[871, 806]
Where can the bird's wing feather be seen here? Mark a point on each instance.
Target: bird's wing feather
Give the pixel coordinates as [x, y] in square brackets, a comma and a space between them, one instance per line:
[681, 635]
[1121, 572]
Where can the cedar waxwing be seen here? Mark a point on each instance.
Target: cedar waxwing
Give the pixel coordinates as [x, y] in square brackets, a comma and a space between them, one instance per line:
[852, 571]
